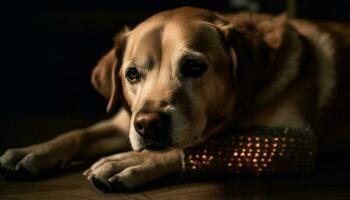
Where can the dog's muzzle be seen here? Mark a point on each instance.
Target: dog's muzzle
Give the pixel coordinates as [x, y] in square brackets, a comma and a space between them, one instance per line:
[154, 128]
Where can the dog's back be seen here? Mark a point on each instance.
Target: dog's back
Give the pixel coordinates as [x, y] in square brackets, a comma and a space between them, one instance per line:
[335, 124]
[323, 84]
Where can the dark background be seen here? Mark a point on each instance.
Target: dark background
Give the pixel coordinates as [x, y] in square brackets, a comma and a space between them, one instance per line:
[48, 48]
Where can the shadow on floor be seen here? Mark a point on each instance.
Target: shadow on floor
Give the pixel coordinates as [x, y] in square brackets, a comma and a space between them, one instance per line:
[331, 180]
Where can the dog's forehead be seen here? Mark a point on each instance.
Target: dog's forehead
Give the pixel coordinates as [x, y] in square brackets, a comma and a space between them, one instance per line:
[159, 39]
[195, 35]
[179, 25]
[183, 14]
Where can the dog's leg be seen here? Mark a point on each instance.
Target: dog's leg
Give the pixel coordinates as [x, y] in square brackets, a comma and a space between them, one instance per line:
[131, 169]
[100, 139]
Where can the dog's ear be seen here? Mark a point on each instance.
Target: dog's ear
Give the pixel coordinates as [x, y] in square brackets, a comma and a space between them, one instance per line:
[104, 76]
[265, 56]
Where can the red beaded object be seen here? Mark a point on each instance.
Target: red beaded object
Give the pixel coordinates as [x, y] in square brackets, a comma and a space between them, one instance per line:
[256, 150]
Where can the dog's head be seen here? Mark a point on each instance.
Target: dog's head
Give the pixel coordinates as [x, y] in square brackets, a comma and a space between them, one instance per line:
[181, 74]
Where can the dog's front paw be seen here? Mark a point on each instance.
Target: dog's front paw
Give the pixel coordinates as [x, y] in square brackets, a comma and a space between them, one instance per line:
[131, 169]
[24, 163]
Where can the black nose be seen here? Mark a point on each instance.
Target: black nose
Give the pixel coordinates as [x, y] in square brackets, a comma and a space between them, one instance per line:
[149, 124]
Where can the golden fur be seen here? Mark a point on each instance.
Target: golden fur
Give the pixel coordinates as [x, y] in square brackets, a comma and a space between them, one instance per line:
[261, 69]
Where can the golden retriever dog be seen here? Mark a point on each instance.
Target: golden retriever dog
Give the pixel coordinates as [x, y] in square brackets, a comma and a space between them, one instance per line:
[184, 75]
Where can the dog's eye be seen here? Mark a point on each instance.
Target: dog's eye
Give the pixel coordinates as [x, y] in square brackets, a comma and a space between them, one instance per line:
[132, 74]
[193, 68]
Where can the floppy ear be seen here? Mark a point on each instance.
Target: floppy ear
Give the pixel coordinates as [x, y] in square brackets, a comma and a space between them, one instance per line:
[104, 76]
[265, 57]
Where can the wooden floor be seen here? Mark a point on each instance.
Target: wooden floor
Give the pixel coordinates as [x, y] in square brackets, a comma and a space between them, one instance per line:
[331, 180]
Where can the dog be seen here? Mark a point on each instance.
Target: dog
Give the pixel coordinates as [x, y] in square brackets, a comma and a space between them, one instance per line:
[184, 75]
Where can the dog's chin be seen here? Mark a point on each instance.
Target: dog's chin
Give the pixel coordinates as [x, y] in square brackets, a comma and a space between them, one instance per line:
[143, 144]
[155, 145]
[149, 145]
[136, 141]
[139, 144]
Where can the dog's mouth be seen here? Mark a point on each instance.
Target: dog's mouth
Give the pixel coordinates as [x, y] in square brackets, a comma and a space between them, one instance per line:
[156, 145]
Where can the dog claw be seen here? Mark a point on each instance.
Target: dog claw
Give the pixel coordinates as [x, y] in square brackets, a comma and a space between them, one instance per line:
[113, 179]
[87, 172]
[115, 186]
[89, 177]
[18, 167]
[100, 185]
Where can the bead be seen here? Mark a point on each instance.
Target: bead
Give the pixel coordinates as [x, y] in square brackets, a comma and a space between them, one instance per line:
[259, 151]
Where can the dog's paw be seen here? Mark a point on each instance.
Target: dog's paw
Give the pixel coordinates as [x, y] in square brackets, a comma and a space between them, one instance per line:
[131, 169]
[23, 163]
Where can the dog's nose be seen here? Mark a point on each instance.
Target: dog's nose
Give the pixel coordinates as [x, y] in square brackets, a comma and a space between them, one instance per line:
[151, 123]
